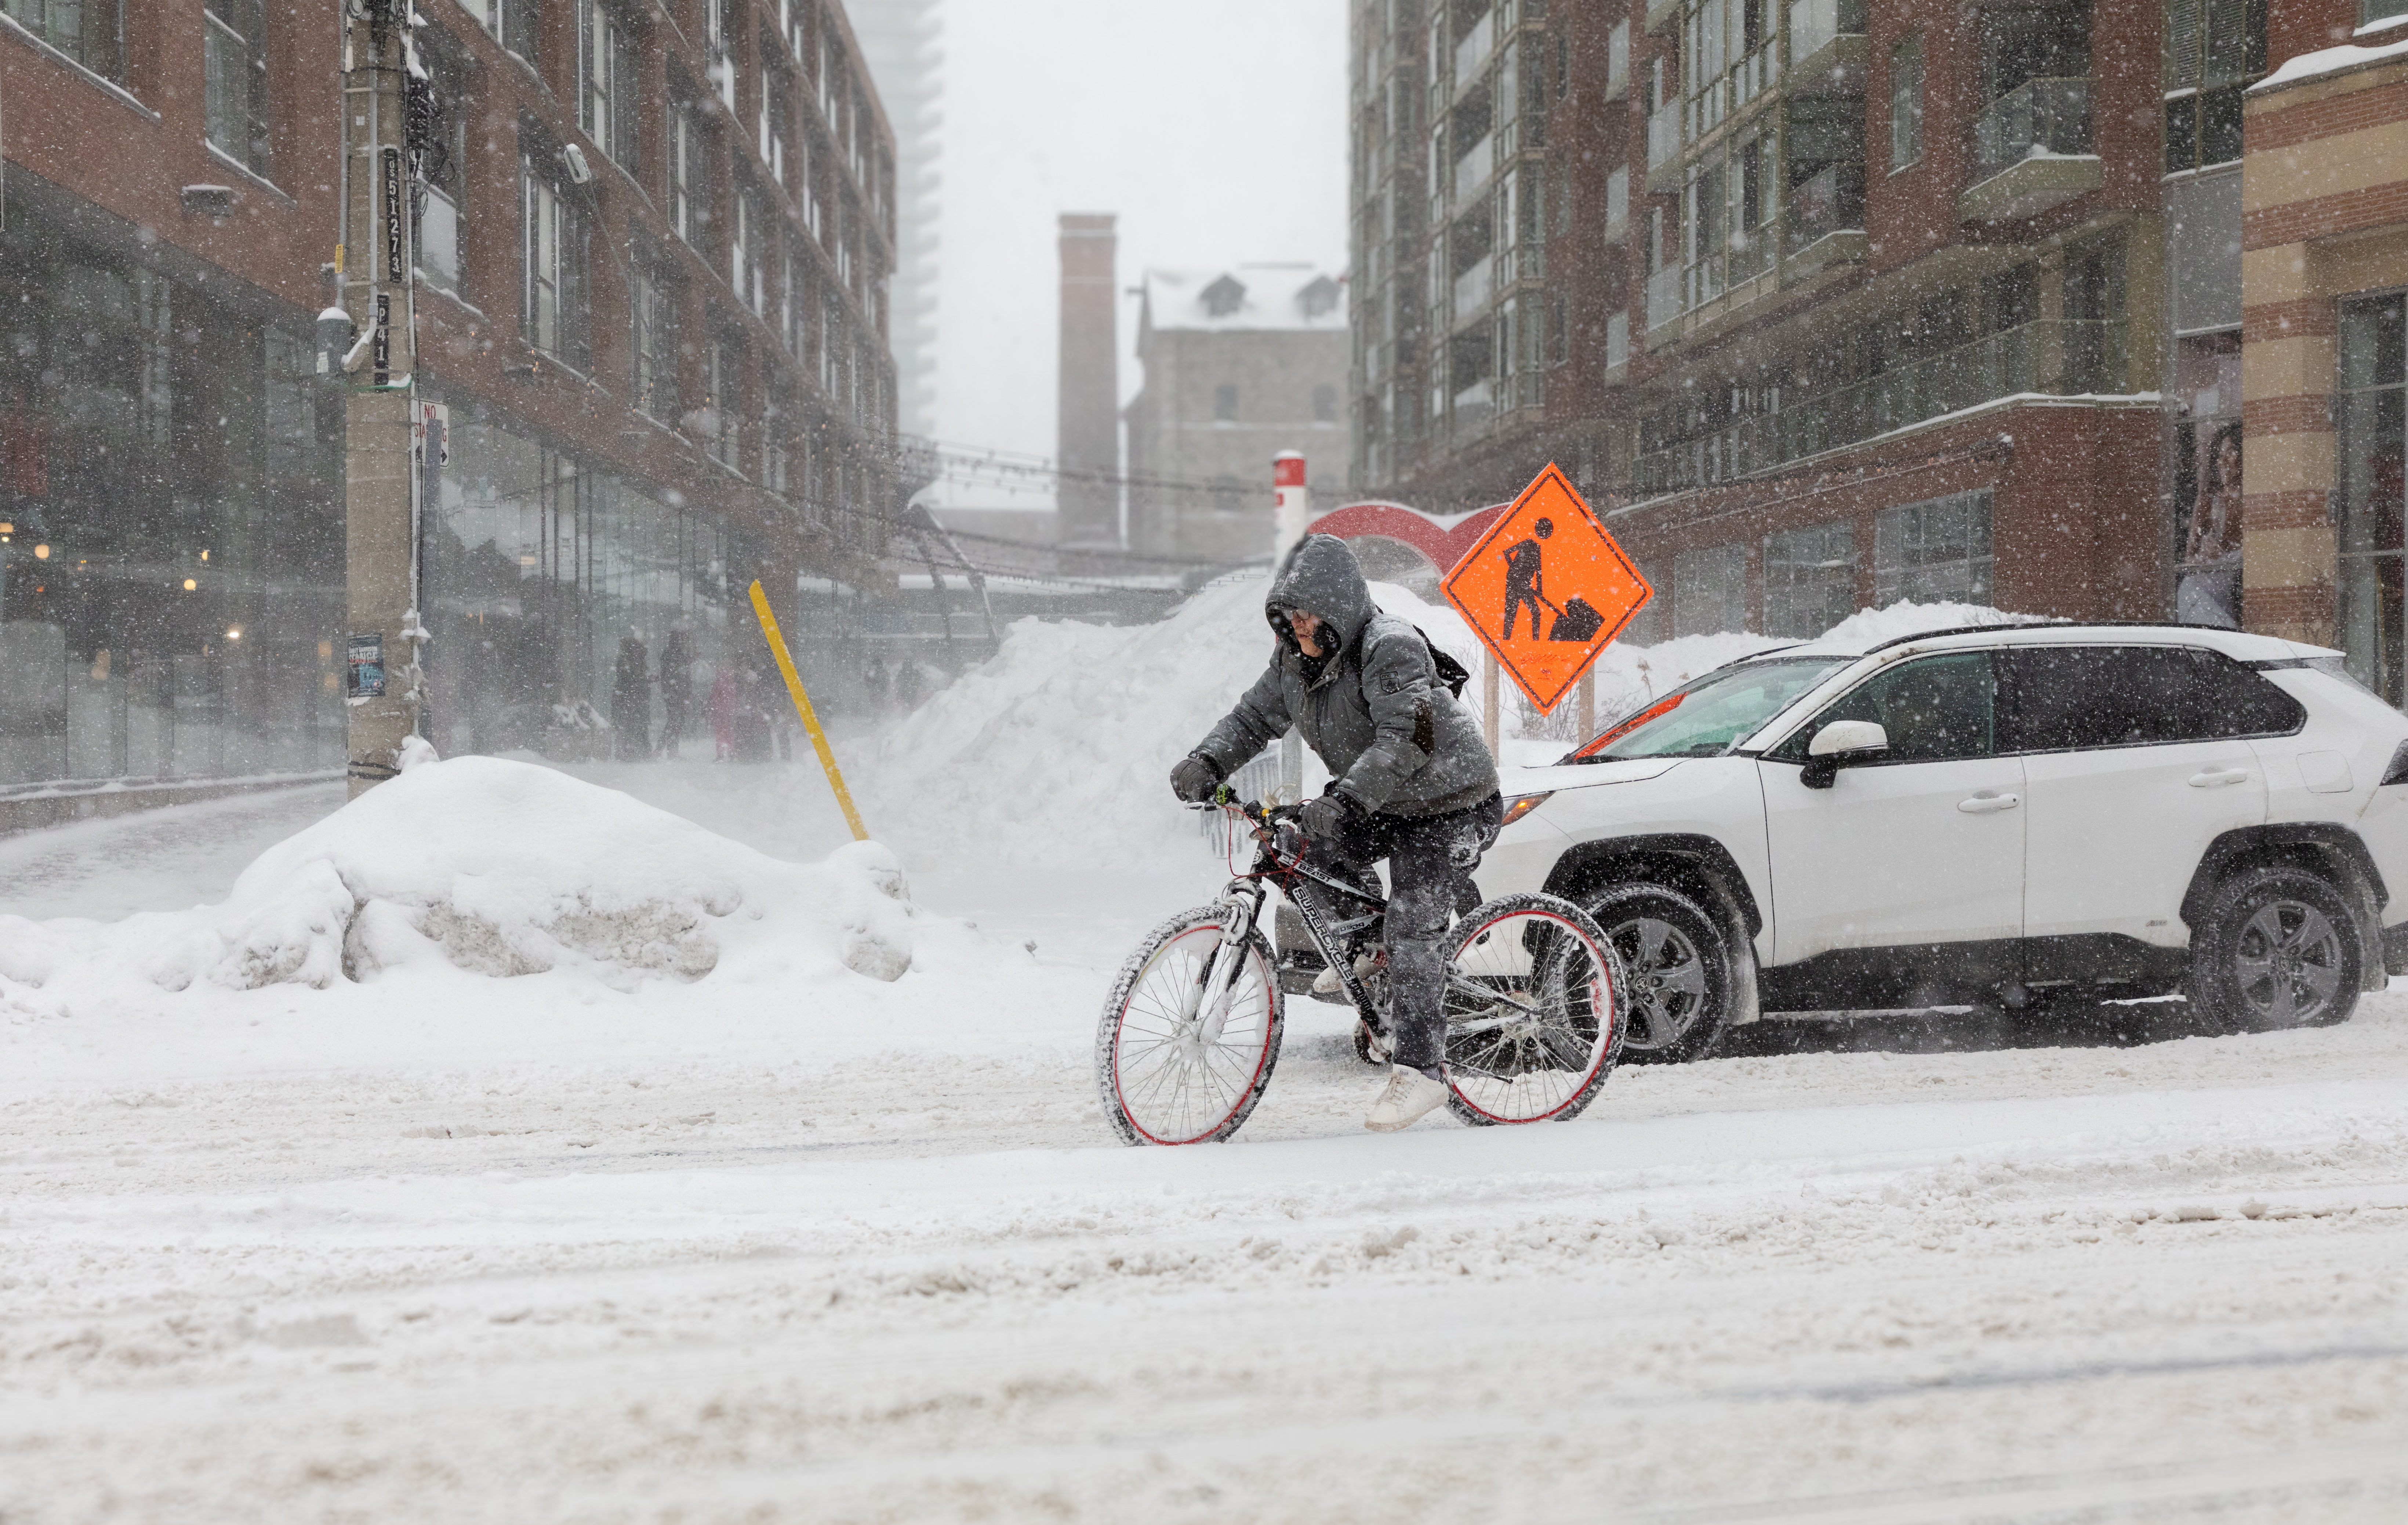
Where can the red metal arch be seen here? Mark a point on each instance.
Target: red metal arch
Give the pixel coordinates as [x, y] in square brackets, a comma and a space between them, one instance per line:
[1441, 542]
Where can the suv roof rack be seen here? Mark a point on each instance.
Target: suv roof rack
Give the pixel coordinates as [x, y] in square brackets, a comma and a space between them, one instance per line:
[2057, 623]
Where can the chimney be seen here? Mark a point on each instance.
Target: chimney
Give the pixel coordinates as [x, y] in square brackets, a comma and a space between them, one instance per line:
[1088, 421]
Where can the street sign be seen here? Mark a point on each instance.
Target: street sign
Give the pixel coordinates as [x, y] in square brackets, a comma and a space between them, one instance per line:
[1546, 588]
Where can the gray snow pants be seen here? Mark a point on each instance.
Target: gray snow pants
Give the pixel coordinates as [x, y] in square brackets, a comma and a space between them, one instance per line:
[1430, 862]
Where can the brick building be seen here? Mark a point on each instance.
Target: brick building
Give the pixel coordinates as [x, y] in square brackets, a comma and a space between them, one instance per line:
[665, 368]
[2325, 342]
[1827, 302]
[1239, 364]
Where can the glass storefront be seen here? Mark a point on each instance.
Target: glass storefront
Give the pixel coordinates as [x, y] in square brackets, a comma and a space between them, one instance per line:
[2374, 373]
[171, 522]
[576, 612]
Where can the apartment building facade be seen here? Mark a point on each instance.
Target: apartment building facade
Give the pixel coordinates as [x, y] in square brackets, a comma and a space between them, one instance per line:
[1830, 303]
[652, 251]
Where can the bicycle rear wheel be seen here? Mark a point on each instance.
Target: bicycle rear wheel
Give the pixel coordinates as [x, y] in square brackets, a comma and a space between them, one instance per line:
[1533, 1012]
[1166, 1076]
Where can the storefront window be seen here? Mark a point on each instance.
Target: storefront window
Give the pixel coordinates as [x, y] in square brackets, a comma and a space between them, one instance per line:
[549, 582]
[1710, 591]
[2207, 480]
[1810, 579]
[171, 539]
[1938, 550]
[2374, 459]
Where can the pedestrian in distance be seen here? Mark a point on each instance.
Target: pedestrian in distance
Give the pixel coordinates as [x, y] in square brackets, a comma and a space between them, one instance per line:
[676, 689]
[1413, 783]
[874, 684]
[726, 704]
[631, 699]
[908, 684]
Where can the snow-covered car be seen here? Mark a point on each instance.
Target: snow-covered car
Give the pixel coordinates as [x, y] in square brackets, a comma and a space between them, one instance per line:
[2007, 816]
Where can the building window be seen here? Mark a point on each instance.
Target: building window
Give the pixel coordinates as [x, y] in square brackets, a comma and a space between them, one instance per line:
[720, 404]
[743, 267]
[1810, 579]
[2372, 11]
[1710, 591]
[1934, 551]
[609, 81]
[2213, 50]
[88, 31]
[512, 23]
[1617, 202]
[1325, 404]
[1906, 102]
[689, 158]
[652, 306]
[235, 62]
[775, 97]
[1225, 403]
[2373, 467]
[443, 167]
[554, 317]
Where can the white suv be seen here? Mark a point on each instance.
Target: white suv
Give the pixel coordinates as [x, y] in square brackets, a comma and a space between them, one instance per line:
[1988, 817]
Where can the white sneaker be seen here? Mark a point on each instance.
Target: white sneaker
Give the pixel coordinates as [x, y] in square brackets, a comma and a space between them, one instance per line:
[1409, 1097]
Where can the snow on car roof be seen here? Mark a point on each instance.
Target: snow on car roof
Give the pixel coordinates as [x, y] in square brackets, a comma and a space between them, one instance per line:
[2242, 645]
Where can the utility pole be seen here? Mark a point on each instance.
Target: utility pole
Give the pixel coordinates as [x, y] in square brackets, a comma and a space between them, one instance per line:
[381, 493]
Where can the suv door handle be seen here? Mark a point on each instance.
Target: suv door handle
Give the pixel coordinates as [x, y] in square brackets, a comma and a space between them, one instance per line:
[1988, 803]
[2219, 778]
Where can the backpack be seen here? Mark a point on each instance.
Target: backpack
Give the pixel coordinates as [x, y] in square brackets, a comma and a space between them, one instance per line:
[1451, 675]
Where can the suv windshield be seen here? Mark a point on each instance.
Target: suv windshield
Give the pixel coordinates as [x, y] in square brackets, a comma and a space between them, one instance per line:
[1713, 715]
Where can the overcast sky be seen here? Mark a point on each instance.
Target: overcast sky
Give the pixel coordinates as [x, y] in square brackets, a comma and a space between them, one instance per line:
[1217, 131]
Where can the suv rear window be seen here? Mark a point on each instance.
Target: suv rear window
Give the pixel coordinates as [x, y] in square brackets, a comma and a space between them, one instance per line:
[2069, 698]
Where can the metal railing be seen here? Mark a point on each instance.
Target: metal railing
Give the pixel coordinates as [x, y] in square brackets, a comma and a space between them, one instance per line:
[1815, 25]
[2038, 118]
[2062, 357]
[1473, 287]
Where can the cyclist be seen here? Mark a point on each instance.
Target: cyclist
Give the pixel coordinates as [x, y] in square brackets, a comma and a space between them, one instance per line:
[1412, 782]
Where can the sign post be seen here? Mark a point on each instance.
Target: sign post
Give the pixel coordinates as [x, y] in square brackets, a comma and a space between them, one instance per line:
[1546, 590]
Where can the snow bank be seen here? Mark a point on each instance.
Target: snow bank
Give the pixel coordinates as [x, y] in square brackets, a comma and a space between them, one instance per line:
[1058, 748]
[489, 867]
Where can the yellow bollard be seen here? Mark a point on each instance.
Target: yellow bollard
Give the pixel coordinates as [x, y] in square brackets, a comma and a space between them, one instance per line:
[803, 708]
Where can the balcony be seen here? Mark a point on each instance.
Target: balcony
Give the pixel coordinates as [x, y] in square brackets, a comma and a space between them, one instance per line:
[1471, 53]
[2061, 357]
[2032, 151]
[1826, 44]
[1474, 405]
[1825, 224]
[1664, 308]
[1664, 147]
[1473, 287]
[1471, 171]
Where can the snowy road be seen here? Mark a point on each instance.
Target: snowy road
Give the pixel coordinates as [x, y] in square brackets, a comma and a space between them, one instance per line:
[757, 1267]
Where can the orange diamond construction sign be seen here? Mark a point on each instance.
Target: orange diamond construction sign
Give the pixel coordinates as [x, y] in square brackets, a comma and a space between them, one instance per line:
[1547, 588]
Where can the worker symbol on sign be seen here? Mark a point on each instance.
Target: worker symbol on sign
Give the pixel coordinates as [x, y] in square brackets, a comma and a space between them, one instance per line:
[1526, 583]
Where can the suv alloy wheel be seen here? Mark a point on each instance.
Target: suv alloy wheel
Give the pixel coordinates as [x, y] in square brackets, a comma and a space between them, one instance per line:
[1676, 968]
[2276, 949]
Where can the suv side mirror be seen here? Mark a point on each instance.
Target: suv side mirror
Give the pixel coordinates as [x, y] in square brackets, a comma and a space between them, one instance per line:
[1837, 745]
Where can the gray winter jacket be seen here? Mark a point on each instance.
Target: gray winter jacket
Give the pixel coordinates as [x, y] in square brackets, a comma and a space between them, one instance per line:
[1393, 737]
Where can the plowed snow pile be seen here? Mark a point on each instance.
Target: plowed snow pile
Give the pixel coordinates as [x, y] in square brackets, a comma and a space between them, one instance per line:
[1058, 748]
[495, 868]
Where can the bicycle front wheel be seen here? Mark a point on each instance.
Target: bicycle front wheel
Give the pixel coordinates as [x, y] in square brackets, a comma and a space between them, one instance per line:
[1170, 1068]
[1533, 1012]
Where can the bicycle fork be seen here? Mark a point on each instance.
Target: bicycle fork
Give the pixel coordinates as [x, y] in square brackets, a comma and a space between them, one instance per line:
[1208, 1001]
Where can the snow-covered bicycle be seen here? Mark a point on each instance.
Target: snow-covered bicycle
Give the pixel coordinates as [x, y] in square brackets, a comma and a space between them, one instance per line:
[1191, 1031]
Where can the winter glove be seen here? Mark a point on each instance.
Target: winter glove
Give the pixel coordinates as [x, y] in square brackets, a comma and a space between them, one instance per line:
[1326, 815]
[1194, 778]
